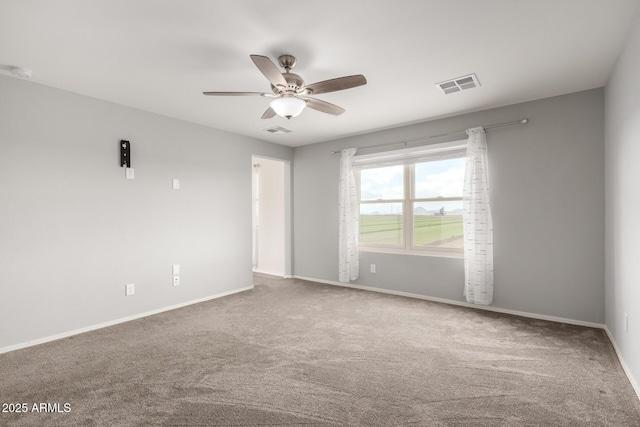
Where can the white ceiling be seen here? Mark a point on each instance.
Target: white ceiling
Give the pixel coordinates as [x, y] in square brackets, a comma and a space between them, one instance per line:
[160, 55]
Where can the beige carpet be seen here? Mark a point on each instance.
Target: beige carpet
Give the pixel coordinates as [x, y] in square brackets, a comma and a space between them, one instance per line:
[291, 353]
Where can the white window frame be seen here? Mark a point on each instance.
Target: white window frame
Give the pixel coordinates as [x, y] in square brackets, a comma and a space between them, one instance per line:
[409, 199]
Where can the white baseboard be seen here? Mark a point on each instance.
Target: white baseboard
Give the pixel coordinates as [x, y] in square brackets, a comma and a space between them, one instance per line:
[625, 367]
[271, 273]
[117, 321]
[459, 303]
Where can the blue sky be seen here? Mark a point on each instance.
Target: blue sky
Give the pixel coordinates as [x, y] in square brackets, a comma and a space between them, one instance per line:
[433, 179]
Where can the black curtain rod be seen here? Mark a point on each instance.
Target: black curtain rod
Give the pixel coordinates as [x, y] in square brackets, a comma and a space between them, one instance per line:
[424, 138]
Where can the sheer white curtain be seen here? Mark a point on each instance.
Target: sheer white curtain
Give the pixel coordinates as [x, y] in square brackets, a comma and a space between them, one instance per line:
[349, 212]
[478, 225]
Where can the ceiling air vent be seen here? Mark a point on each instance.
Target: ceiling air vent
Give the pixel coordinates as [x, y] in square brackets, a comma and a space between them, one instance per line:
[458, 84]
[278, 130]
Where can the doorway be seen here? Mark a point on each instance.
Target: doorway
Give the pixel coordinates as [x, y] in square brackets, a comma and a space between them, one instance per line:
[270, 219]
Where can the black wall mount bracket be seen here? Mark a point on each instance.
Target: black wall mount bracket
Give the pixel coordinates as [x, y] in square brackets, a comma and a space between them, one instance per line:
[125, 154]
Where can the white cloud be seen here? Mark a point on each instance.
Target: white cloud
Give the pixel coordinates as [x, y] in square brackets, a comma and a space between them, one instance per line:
[444, 184]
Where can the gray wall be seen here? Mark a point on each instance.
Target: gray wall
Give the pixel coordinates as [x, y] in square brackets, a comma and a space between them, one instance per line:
[547, 193]
[73, 231]
[622, 167]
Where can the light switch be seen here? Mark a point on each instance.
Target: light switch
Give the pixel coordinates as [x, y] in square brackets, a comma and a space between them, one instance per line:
[129, 173]
[176, 269]
[176, 184]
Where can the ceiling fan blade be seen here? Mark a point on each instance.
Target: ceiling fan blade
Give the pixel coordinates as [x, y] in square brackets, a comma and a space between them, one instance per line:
[333, 85]
[269, 69]
[324, 106]
[235, 93]
[268, 114]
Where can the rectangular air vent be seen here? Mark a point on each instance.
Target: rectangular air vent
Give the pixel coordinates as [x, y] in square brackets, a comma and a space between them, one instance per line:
[278, 130]
[458, 84]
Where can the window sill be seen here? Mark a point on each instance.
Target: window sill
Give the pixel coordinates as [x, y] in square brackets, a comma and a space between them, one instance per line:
[433, 253]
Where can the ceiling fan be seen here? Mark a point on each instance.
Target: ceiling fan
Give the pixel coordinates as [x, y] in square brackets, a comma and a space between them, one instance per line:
[289, 91]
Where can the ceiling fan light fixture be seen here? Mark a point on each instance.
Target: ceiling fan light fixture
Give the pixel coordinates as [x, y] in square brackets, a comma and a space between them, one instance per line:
[290, 91]
[288, 106]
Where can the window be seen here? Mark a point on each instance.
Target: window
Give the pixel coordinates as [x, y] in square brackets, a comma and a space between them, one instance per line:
[411, 201]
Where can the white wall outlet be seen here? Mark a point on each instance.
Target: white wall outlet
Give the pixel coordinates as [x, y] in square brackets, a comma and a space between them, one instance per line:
[129, 289]
[175, 269]
[175, 184]
[373, 268]
[176, 280]
[128, 173]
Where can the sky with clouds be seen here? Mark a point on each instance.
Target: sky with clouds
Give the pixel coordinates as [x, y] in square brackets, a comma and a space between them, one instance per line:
[441, 178]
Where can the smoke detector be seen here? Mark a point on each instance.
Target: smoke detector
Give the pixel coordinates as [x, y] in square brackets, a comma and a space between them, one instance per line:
[21, 72]
[458, 84]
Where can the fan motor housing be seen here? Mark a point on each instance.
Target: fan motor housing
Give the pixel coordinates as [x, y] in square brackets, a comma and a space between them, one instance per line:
[294, 82]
